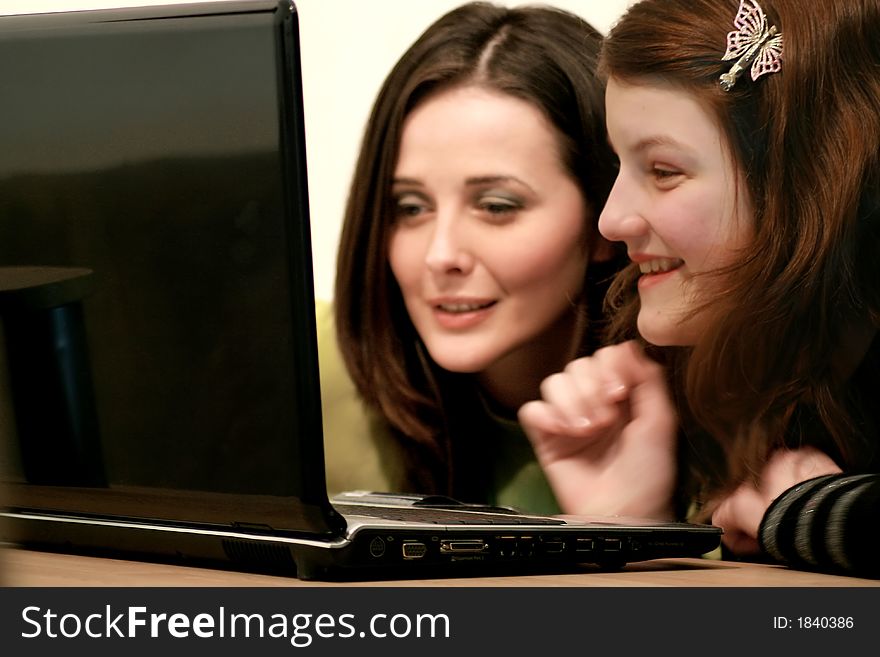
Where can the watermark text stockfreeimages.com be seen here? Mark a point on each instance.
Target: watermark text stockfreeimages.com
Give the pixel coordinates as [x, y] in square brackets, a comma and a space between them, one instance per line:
[301, 629]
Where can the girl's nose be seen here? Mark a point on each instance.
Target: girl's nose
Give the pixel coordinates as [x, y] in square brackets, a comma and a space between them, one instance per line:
[622, 218]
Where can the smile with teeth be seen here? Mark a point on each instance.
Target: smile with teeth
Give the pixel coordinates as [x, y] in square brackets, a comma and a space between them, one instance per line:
[660, 265]
[458, 308]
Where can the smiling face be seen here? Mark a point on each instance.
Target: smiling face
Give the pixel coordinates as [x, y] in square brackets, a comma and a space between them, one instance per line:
[488, 243]
[676, 203]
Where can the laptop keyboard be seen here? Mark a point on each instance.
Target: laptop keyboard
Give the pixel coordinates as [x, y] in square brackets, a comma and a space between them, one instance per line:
[445, 516]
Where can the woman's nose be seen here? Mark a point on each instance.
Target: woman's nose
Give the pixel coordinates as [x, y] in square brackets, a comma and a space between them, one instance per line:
[449, 251]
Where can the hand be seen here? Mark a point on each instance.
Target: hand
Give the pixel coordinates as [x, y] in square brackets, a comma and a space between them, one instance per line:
[740, 513]
[604, 432]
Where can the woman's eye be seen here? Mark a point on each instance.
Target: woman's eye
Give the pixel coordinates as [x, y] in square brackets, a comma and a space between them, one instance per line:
[409, 207]
[408, 210]
[497, 208]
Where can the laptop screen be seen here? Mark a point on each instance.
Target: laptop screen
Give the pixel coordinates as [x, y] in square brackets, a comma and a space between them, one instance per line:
[157, 348]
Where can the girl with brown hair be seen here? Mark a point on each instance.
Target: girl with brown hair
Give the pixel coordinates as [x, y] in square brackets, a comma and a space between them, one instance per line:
[748, 199]
[469, 265]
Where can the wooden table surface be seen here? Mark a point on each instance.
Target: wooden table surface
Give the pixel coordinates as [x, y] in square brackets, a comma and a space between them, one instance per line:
[31, 568]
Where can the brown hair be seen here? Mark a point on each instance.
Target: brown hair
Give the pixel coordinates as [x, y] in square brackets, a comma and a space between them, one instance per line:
[542, 55]
[768, 370]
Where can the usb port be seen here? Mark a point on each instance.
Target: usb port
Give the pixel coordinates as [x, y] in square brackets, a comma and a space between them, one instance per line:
[612, 545]
[585, 545]
[554, 545]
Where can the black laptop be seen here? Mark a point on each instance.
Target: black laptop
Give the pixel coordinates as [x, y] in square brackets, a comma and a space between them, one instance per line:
[159, 385]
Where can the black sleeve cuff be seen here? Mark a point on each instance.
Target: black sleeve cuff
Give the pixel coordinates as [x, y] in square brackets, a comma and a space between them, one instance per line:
[830, 523]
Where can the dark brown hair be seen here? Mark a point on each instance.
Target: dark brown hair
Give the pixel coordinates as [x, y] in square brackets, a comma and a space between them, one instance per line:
[772, 366]
[542, 55]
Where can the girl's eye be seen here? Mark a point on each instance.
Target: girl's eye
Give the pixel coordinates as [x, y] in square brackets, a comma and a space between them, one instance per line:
[666, 177]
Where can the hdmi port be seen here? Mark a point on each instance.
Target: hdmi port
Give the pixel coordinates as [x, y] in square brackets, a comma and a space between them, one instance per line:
[414, 550]
[462, 547]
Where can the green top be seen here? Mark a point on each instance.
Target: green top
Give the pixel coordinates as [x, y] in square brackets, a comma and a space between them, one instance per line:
[361, 455]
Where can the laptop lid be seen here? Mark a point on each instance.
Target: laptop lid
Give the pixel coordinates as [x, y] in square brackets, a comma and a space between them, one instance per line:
[157, 356]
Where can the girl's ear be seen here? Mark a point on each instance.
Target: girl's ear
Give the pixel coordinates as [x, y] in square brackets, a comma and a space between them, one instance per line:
[603, 250]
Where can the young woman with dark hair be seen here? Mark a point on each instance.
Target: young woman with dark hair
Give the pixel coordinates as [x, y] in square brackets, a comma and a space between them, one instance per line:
[748, 199]
[470, 266]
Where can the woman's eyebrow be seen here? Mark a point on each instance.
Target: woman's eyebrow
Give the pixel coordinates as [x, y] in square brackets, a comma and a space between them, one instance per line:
[488, 180]
[407, 181]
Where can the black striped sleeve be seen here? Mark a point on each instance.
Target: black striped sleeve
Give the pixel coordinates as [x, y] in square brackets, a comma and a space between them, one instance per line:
[829, 524]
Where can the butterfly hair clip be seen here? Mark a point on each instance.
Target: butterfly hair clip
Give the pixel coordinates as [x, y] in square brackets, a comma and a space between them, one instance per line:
[753, 42]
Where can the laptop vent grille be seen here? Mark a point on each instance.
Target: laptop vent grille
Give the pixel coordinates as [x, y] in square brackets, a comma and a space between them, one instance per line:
[259, 556]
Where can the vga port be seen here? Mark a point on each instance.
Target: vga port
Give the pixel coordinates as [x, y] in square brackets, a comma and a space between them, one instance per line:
[414, 549]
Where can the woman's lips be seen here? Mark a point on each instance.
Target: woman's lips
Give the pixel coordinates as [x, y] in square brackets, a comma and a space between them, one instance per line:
[461, 314]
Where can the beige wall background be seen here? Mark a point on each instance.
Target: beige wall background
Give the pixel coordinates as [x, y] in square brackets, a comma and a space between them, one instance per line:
[348, 46]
